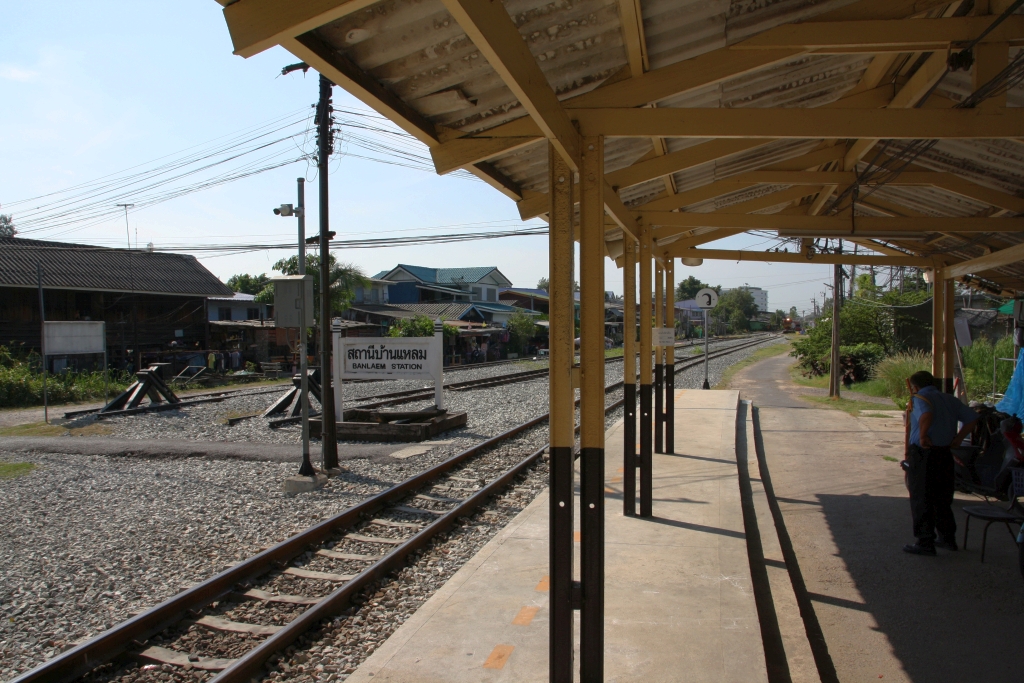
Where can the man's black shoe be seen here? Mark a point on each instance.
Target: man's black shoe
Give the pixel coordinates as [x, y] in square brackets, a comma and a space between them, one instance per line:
[918, 549]
[949, 544]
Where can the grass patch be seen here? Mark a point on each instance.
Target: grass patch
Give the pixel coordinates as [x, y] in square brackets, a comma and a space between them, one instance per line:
[886, 417]
[890, 458]
[613, 353]
[43, 429]
[851, 406]
[10, 470]
[759, 355]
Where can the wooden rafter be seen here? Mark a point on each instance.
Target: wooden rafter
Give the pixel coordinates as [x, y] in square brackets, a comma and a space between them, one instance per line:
[996, 259]
[671, 251]
[825, 225]
[806, 124]
[494, 34]
[879, 36]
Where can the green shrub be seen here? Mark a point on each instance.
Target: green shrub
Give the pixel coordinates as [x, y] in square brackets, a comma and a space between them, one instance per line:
[894, 371]
[978, 358]
[21, 383]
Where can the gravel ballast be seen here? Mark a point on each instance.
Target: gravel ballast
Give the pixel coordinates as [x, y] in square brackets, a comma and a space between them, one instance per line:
[91, 540]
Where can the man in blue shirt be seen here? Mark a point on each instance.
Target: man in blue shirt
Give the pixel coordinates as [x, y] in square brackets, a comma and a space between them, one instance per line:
[932, 430]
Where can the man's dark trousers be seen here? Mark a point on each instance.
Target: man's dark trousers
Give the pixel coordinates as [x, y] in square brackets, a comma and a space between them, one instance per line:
[930, 480]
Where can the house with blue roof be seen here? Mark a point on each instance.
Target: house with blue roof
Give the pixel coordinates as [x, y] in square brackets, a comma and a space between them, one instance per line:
[474, 290]
[419, 284]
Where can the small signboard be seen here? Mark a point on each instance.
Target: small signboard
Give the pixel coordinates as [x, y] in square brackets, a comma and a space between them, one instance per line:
[66, 337]
[707, 298]
[664, 336]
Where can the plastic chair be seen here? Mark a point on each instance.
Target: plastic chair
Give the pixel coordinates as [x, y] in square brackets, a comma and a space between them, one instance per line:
[992, 514]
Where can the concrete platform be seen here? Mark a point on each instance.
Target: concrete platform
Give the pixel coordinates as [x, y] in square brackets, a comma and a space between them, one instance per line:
[679, 599]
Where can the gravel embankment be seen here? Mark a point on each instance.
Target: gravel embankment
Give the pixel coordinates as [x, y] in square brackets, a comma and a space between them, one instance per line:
[89, 540]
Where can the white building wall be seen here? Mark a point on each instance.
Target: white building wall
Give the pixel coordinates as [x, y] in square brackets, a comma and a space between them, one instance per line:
[759, 295]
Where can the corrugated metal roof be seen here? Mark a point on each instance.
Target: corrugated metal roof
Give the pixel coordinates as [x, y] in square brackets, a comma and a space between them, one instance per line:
[79, 266]
[416, 50]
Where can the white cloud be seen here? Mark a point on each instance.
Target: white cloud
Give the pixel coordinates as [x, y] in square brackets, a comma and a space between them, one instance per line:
[16, 73]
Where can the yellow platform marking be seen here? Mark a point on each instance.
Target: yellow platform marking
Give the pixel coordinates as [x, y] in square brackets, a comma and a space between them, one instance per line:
[609, 490]
[615, 480]
[576, 537]
[545, 584]
[499, 656]
[525, 616]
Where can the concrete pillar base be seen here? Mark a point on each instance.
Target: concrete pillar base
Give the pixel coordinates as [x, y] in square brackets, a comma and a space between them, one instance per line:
[298, 484]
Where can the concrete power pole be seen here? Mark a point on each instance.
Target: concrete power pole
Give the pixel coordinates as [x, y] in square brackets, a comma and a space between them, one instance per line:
[325, 144]
[837, 290]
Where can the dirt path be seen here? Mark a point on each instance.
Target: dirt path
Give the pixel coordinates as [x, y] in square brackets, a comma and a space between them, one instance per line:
[886, 615]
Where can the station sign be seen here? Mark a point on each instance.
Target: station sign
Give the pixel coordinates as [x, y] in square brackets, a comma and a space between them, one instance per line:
[389, 358]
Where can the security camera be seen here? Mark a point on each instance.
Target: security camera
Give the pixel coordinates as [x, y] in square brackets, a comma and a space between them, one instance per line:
[285, 210]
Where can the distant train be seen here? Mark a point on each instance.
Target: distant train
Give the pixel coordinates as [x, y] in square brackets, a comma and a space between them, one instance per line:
[790, 325]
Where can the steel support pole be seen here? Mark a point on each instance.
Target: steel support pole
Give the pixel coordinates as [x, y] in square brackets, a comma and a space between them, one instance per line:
[938, 308]
[325, 145]
[707, 385]
[670, 358]
[592, 252]
[659, 354]
[306, 469]
[629, 377]
[562, 418]
[644, 322]
[949, 341]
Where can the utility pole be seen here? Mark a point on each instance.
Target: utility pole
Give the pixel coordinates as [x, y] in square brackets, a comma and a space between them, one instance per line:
[325, 145]
[135, 302]
[837, 291]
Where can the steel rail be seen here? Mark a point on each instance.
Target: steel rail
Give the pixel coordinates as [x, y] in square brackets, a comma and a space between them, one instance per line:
[107, 645]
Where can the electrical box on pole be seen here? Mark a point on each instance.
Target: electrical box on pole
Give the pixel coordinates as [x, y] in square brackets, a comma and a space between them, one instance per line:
[288, 299]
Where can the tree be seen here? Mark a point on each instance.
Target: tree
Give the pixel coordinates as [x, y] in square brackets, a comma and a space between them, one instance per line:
[688, 288]
[777, 319]
[793, 313]
[739, 322]
[7, 228]
[248, 284]
[344, 278]
[521, 328]
[419, 326]
[732, 302]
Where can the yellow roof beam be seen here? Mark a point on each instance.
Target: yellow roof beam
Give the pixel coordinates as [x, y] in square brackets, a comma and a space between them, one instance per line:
[494, 34]
[825, 226]
[798, 123]
[670, 251]
[1003, 257]
[887, 35]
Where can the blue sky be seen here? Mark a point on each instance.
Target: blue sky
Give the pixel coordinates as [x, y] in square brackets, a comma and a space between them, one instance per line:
[95, 88]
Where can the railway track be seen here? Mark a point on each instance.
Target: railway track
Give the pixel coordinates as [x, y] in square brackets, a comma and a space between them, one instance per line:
[411, 395]
[309, 577]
